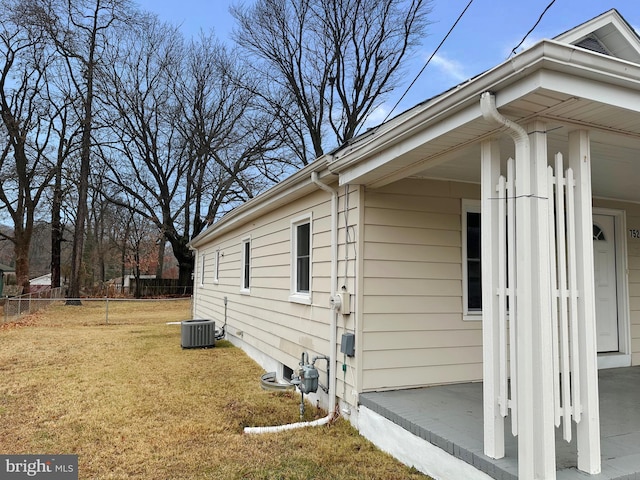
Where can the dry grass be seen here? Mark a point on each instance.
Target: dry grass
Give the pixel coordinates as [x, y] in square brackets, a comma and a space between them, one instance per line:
[133, 405]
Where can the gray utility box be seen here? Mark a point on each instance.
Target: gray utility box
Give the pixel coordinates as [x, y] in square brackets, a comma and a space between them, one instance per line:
[198, 333]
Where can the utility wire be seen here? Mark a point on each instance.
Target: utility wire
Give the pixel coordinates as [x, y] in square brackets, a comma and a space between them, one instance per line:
[427, 63]
[532, 29]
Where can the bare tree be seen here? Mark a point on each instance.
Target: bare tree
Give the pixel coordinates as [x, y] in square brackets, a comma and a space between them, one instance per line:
[25, 171]
[79, 30]
[189, 142]
[335, 59]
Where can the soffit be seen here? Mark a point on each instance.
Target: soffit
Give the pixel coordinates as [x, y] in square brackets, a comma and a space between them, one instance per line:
[454, 154]
[614, 134]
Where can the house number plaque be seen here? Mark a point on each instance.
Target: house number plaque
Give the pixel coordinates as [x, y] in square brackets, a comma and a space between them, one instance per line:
[634, 233]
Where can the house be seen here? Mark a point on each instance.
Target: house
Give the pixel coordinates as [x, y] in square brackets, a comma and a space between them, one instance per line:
[41, 283]
[490, 234]
[5, 270]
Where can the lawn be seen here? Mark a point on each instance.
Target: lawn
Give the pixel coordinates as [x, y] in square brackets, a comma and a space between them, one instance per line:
[132, 404]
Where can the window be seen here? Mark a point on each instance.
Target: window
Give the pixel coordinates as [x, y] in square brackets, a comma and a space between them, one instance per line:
[246, 264]
[216, 267]
[301, 260]
[471, 265]
[202, 263]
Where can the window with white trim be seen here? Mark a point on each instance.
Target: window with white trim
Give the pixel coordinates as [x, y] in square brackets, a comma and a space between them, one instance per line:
[246, 265]
[202, 264]
[471, 264]
[216, 267]
[301, 259]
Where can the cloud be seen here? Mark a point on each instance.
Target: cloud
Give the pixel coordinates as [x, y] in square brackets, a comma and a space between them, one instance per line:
[451, 68]
[376, 117]
[530, 41]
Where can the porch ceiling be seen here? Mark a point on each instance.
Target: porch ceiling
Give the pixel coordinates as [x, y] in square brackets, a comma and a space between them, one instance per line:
[455, 154]
[615, 143]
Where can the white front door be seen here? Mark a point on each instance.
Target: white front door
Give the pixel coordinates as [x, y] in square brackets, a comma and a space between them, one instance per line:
[604, 256]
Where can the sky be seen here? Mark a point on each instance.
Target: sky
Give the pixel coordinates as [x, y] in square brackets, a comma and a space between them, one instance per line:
[482, 39]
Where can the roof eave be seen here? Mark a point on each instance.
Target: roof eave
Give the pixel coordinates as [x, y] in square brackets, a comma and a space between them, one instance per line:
[548, 54]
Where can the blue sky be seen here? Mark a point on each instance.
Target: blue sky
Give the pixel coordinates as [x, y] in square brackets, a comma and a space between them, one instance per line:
[484, 37]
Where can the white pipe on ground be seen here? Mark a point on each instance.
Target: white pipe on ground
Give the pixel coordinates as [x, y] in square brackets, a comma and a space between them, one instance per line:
[289, 426]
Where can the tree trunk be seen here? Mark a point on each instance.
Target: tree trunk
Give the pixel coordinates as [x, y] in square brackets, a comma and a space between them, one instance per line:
[78, 235]
[23, 241]
[161, 249]
[56, 231]
[83, 184]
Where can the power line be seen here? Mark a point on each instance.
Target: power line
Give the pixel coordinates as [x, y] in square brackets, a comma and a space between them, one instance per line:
[532, 28]
[428, 60]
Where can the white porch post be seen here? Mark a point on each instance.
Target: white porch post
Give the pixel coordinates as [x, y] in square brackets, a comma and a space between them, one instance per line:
[532, 309]
[541, 326]
[493, 420]
[536, 438]
[588, 428]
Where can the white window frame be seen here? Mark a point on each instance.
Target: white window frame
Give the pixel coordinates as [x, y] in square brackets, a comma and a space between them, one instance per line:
[203, 257]
[216, 267]
[245, 277]
[300, 296]
[468, 206]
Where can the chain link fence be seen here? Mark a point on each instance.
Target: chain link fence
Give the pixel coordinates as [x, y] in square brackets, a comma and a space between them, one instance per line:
[30, 302]
[17, 306]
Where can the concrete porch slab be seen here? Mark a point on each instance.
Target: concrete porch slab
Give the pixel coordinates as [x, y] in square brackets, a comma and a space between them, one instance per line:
[450, 417]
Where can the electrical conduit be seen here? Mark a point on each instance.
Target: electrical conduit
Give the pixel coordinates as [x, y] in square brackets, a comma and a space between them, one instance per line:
[333, 324]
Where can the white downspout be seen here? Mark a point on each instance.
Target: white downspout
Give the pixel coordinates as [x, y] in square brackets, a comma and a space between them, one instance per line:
[490, 112]
[333, 324]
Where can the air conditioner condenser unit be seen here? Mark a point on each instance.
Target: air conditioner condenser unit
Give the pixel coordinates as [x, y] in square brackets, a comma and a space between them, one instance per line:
[199, 333]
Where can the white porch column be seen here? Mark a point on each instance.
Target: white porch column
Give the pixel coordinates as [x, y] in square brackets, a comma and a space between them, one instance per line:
[535, 419]
[536, 438]
[493, 420]
[588, 428]
[541, 327]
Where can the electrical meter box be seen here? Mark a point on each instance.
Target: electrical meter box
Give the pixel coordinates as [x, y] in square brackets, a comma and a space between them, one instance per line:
[348, 344]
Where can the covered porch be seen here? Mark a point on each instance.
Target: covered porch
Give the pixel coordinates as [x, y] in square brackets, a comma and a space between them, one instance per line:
[552, 139]
[451, 418]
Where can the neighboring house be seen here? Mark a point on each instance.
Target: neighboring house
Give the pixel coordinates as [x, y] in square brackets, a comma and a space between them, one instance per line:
[5, 270]
[41, 283]
[396, 224]
[128, 281]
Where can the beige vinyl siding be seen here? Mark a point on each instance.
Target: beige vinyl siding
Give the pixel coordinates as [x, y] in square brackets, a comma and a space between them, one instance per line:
[413, 331]
[265, 318]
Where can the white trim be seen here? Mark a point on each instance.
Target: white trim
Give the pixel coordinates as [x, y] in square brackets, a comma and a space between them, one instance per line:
[296, 296]
[245, 257]
[468, 206]
[623, 358]
[613, 360]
